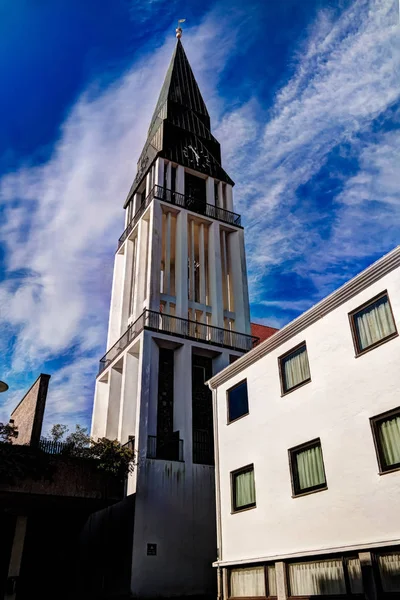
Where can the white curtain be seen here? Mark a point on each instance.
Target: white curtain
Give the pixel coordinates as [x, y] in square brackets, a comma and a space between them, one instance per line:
[389, 432]
[245, 491]
[317, 578]
[271, 581]
[389, 567]
[247, 582]
[296, 368]
[310, 468]
[355, 576]
[374, 323]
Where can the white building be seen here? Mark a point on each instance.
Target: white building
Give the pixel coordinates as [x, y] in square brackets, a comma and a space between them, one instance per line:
[179, 314]
[307, 430]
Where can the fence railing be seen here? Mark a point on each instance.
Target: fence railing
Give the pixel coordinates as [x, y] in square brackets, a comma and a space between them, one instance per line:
[178, 327]
[185, 201]
[165, 448]
[51, 447]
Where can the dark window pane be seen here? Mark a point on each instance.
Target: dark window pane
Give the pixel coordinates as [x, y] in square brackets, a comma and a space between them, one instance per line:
[238, 404]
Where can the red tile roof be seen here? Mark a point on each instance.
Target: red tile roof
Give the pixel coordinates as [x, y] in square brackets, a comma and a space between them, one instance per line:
[262, 331]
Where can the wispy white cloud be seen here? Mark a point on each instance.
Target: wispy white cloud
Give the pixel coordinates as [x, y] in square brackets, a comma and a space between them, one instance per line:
[347, 73]
[62, 220]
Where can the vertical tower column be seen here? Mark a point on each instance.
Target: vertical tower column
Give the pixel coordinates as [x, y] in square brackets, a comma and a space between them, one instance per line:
[238, 281]
[215, 275]
[154, 257]
[141, 267]
[202, 261]
[210, 190]
[159, 172]
[181, 265]
[127, 279]
[114, 327]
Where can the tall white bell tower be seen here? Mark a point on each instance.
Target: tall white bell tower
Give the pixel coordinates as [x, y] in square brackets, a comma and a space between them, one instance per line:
[179, 314]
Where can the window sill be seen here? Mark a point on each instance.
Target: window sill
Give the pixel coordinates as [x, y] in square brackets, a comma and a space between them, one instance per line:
[240, 510]
[386, 471]
[321, 489]
[376, 345]
[237, 418]
[296, 387]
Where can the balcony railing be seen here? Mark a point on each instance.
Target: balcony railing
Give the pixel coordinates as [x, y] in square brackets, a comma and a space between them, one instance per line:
[178, 327]
[165, 448]
[184, 201]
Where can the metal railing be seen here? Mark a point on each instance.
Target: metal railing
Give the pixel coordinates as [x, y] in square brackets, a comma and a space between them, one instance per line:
[197, 205]
[184, 201]
[52, 447]
[136, 218]
[165, 448]
[130, 334]
[178, 327]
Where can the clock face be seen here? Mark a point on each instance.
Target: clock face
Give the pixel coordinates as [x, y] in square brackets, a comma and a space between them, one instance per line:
[196, 157]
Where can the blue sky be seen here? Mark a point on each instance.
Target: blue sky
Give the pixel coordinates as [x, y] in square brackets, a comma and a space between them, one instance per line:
[304, 98]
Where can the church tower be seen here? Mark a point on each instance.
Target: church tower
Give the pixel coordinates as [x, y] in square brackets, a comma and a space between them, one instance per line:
[179, 314]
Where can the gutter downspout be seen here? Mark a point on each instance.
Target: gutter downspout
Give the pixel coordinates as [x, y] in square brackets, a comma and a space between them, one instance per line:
[217, 493]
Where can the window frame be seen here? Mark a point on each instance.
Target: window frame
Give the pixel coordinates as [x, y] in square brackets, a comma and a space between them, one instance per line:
[228, 420]
[294, 476]
[377, 572]
[233, 475]
[375, 422]
[320, 558]
[354, 331]
[281, 360]
[249, 566]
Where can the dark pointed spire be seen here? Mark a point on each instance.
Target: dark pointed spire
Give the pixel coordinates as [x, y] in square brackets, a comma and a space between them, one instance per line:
[180, 127]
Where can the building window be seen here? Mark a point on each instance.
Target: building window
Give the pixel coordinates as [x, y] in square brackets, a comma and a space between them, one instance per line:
[372, 323]
[386, 432]
[294, 368]
[389, 571]
[307, 468]
[325, 577]
[243, 490]
[253, 582]
[238, 403]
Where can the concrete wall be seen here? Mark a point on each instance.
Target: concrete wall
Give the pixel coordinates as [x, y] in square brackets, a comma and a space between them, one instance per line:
[175, 509]
[28, 415]
[360, 507]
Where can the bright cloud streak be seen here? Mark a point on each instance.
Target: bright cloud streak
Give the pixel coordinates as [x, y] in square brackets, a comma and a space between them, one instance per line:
[62, 219]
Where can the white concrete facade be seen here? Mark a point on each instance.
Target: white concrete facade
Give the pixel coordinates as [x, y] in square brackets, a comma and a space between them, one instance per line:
[358, 512]
[176, 263]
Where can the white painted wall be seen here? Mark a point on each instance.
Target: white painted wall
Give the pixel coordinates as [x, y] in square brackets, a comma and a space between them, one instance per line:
[175, 502]
[360, 506]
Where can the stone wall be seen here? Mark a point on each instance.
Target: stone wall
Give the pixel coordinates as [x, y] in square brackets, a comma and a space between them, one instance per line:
[28, 415]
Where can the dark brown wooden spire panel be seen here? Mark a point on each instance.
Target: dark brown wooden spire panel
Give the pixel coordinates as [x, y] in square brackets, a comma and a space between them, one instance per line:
[180, 127]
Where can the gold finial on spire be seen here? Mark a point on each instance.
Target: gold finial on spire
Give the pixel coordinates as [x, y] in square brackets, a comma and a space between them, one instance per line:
[179, 29]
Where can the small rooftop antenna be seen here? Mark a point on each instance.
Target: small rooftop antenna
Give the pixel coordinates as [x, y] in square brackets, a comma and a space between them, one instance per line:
[179, 28]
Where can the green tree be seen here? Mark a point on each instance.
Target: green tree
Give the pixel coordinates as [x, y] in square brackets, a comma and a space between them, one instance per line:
[57, 432]
[8, 431]
[79, 438]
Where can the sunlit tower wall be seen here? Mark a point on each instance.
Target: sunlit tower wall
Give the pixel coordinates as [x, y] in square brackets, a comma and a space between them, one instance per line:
[179, 314]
